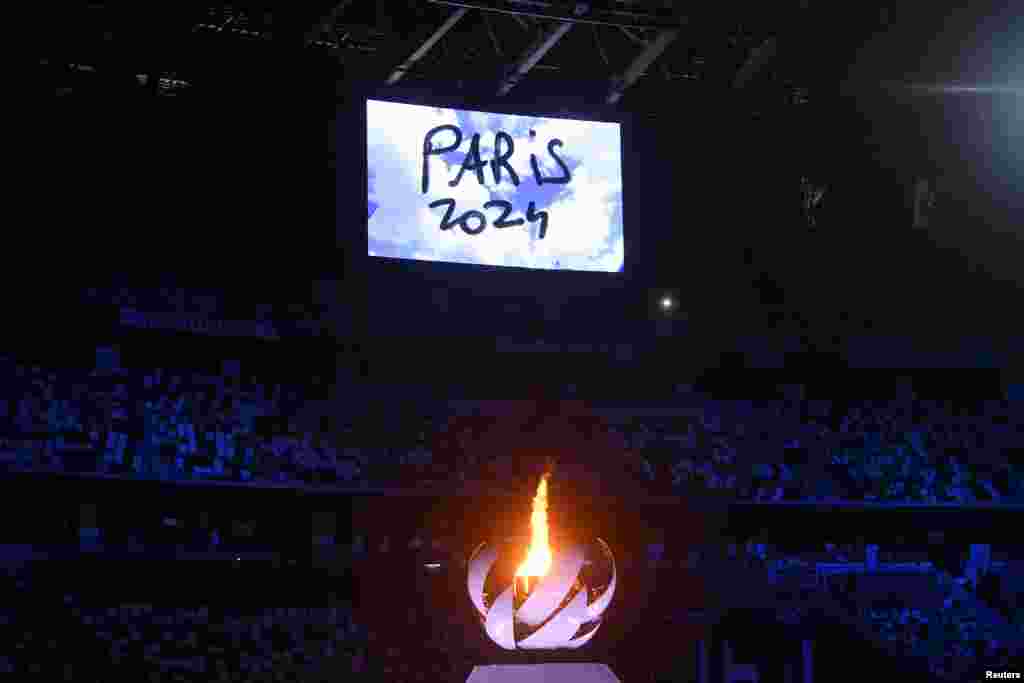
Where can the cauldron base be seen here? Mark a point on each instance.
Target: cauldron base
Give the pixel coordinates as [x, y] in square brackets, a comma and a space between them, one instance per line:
[543, 673]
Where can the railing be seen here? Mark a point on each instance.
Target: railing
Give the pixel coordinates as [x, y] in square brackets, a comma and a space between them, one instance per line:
[823, 570]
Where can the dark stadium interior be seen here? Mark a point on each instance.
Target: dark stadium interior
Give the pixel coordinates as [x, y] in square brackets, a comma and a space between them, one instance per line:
[237, 446]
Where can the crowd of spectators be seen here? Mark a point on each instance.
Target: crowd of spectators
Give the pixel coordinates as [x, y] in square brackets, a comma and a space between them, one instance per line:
[892, 451]
[958, 636]
[71, 638]
[418, 642]
[954, 640]
[961, 635]
[162, 424]
[177, 425]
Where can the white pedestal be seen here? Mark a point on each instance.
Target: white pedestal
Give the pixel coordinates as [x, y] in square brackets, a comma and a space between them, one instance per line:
[543, 673]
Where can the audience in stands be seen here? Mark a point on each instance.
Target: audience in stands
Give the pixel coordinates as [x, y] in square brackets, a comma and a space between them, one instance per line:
[202, 643]
[72, 638]
[160, 424]
[177, 426]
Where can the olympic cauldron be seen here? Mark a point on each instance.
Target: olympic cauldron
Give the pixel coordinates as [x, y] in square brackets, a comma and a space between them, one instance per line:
[554, 599]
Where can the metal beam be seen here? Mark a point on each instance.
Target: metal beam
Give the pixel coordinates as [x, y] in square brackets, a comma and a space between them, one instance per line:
[533, 55]
[556, 11]
[327, 21]
[634, 37]
[493, 36]
[522, 22]
[759, 56]
[622, 83]
[600, 47]
[423, 49]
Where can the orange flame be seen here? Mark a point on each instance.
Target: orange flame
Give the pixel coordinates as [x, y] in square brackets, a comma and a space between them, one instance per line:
[538, 556]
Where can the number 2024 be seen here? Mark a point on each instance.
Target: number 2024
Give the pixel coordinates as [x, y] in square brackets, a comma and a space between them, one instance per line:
[501, 221]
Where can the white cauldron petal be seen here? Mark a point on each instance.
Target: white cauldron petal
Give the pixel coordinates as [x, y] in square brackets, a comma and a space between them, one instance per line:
[552, 588]
[479, 567]
[582, 640]
[553, 623]
[500, 620]
[600, 604]
[557, 632]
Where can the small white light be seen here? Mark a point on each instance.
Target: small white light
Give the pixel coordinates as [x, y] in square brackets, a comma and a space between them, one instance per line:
[666, 302]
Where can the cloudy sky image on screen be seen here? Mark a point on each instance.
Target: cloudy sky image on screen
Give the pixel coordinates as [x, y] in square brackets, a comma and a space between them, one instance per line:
[584, 216]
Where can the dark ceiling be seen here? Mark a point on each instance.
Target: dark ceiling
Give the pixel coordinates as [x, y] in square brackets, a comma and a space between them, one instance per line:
[872, 42]
[188, 45]
[846, 83]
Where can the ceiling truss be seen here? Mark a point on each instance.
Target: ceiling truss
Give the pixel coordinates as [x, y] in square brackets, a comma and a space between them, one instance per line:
[603, 51]
[642, 33]
[572, 12]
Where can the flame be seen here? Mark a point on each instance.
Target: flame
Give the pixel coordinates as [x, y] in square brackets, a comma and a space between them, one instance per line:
[538, 556]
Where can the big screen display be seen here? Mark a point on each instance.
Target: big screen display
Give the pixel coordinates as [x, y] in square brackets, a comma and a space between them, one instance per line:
[481, 188]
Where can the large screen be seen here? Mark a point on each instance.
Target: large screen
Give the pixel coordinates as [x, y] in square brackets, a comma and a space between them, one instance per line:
[493, 189]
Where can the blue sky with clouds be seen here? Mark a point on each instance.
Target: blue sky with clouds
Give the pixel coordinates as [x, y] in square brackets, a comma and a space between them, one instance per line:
[584, 216]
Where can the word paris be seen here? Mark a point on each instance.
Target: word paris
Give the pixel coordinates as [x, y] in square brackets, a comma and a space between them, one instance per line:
[474, 163]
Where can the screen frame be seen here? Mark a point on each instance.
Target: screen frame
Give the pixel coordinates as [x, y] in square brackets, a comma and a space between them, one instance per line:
[555, 108]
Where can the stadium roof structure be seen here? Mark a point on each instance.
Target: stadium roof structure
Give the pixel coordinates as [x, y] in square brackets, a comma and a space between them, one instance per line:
[636, 52]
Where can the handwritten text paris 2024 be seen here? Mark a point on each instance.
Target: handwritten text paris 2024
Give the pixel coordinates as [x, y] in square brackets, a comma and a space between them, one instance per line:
[503, 150]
